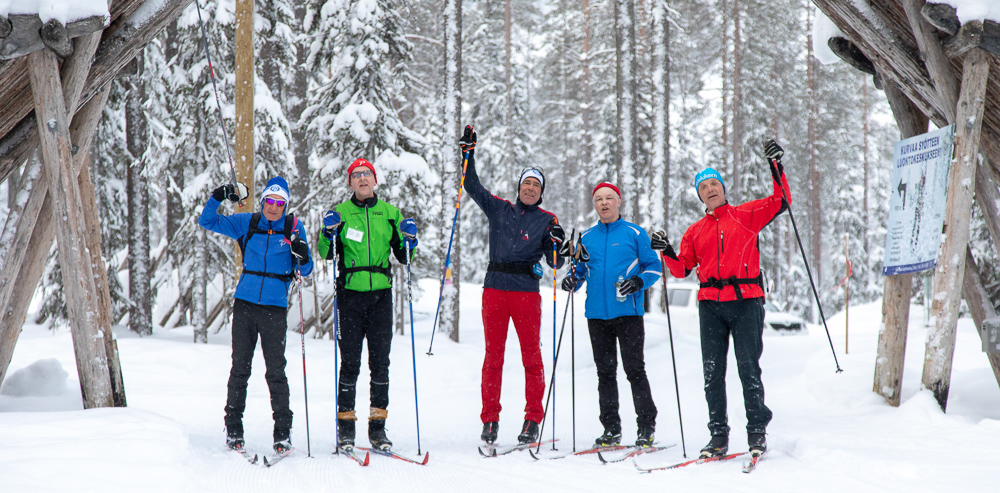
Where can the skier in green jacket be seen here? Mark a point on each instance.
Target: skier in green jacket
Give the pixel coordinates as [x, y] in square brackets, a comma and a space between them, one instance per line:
[362, 232]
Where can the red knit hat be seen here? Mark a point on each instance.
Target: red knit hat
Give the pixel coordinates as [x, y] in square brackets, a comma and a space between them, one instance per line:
[360, 162]
[606, 184]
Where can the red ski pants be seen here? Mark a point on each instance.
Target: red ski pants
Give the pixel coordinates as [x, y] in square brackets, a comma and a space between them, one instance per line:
[525, 309]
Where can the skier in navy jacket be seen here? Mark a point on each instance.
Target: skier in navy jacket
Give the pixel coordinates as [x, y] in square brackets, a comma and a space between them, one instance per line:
[616, 262]
[521, 234]
[261, 298]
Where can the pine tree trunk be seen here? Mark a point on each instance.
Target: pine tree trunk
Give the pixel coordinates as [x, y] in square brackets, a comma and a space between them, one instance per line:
[452, 162]
[198, 299]
[137, 190]
[298, 94]
[587, 104]
[736, 189]
[175, 180]
[624, 14]
[815, 204]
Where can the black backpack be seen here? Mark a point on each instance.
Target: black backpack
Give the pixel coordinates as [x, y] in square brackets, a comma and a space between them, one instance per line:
[290, 223]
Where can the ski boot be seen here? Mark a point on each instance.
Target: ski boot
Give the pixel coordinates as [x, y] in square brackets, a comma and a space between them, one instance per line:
[758, 444]
[345, 430]
[529, 432]
[644, 437]
[490, 432]
[376, 434]
[610, 438]
[234, 437]
[718, 446]
[282, 447]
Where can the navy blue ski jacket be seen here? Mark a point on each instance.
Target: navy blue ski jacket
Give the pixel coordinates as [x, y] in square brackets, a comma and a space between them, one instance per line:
[519, 234]
[619, 249]
[263, 253]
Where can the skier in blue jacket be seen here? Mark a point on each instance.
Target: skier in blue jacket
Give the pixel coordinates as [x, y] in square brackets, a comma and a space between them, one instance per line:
[274, 247]
[615, 260]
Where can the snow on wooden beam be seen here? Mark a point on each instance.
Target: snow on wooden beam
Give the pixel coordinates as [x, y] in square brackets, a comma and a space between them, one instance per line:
[26, 33]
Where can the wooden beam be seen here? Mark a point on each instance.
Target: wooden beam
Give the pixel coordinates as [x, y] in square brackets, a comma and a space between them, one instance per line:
[950, 270]
[938, 65]
[980, 305]
[891, 352]
[78, 278]
[18, 131]
[941, 16]
[244, 113]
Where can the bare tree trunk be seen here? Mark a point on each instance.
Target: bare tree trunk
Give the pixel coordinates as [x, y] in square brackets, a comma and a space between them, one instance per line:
[726, 82]
[867, 180]
[199, 319]
[587, 144]
[137, 190]
[736, 187]
[452, 160]
[624, 13]
[298, 93]
[508, 77]
[175, 181]
[815, 204]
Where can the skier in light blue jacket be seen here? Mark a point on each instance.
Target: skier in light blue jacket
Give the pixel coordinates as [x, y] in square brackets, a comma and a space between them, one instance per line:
[616, 262]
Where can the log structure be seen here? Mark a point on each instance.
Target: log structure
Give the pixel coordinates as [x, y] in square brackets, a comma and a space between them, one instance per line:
[933, 64]
[52, 92]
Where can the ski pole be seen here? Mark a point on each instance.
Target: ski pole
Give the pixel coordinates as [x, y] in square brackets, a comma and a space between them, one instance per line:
[545, 412]
[215, 88]
[336, 347]
[413, 344]
[447, 257]
[302, 335]
[788, 205]
[673, 359]
[555, 269]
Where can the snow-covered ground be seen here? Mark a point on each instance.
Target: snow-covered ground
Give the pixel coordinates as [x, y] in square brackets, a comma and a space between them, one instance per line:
[829, 433]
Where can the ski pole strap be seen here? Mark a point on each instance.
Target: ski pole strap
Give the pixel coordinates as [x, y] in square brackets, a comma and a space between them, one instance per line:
[734, 282]
[281, 277]
[527, 269]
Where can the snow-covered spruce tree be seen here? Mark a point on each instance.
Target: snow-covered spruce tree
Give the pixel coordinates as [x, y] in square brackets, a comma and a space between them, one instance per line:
[361, 56]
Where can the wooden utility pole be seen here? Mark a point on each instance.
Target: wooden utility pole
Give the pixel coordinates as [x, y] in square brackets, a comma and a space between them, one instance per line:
[244, 110]
[947, 291]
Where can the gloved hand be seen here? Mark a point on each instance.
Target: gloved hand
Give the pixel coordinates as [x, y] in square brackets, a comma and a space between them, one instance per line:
[468, 140]
[409, 229]
[300, 250]
[773, 153]
[557, 234]
[227, 191]
[658, 241]
[569, 283]
[630, 285]
[331, 220]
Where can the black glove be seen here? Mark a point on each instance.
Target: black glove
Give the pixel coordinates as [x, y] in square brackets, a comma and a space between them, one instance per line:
[773, 153]
[569, 283]
[576, 250]
[227, 191]
[630, 285]
[300, 249]
[557, 234]
[658, 241]
[468, 140]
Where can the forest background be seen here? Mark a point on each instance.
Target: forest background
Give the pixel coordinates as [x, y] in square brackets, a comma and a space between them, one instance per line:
[642, 93]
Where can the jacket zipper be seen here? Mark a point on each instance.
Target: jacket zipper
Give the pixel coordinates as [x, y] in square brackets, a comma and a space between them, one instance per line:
[368, 233]
[267, 244]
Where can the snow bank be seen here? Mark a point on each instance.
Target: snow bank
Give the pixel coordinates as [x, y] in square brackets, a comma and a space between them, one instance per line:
[65, 11]
[42, 378]
[823, 30]
[972, 10]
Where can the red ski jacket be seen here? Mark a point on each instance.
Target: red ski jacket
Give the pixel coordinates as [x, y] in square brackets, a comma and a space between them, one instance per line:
[723, 245]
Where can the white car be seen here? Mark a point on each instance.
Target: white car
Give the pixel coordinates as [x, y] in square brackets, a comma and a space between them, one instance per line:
[683, 297]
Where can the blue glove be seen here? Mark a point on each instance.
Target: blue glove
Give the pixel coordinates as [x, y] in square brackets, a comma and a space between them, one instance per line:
[330, 222]
[409, 229]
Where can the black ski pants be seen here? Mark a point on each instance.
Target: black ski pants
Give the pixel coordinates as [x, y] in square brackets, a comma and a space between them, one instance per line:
[744, 320]
[630, 333]
[364, 315]
[269, 322]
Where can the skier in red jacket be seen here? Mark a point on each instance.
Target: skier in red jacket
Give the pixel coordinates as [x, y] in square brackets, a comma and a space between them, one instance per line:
[723, 245]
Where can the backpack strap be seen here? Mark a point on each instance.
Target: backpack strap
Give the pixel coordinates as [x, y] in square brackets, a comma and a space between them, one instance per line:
[291, 222]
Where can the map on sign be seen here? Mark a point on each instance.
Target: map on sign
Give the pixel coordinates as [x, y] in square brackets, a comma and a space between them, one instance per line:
[919, 188]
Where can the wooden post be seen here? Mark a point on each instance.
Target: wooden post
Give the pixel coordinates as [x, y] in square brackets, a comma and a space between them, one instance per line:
[948, 278]
[980, 305]
[244, 111]
[80, 289]
[896, 291]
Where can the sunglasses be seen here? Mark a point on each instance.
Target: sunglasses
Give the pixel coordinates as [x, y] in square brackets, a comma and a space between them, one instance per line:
[277, 202]
[359, 174]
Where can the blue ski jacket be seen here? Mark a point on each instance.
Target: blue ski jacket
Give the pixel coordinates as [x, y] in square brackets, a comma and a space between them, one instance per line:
[266, 251]
[620, 249]
[519, 234]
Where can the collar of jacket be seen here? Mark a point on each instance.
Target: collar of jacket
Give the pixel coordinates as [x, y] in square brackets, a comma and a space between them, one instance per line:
[722, 208]
[369, 202]
[612, 225]
[277, 224]
[528, 207]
